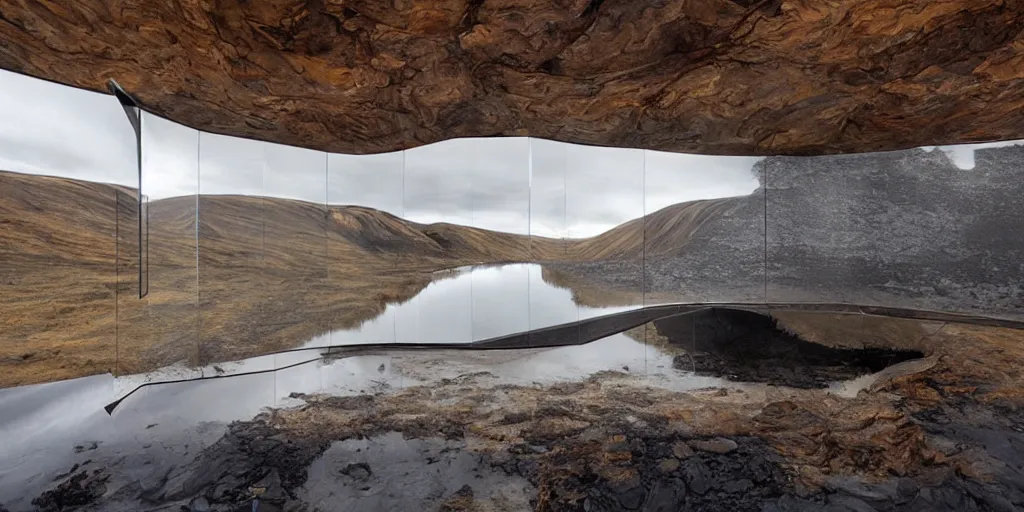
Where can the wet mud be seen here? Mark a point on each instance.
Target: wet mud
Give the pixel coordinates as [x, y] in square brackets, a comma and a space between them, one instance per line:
[744, 346]
[943, 436]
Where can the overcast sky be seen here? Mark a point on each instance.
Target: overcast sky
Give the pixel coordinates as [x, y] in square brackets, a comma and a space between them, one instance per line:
[57, 130]
[515, 184]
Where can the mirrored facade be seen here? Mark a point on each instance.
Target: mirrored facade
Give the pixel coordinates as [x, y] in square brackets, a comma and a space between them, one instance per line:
[437, 209]
[162, 328]
[295, 306]
[549, 235]
[364, 240]
[68, 175]
[231, 248]
[250, 252]
[931, 229]
[703, 229]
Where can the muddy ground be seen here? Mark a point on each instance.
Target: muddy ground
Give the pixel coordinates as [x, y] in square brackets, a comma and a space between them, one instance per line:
[940, 432]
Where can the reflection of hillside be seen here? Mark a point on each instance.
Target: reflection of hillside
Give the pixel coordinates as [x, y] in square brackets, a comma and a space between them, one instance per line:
[272, 273]
[268, 276]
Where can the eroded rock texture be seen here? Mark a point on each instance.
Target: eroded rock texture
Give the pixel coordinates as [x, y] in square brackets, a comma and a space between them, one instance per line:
[712, 76]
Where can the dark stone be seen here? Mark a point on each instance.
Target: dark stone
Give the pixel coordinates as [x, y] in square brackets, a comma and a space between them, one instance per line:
[628, 493]
[737, 486]
[359, 471]
[666, 496]
[696, 475]
[91, 445]
[199, 504]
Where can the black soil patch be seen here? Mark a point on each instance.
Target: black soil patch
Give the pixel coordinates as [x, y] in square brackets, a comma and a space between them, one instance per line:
[652, 472]
[748, 347]
[79, 489]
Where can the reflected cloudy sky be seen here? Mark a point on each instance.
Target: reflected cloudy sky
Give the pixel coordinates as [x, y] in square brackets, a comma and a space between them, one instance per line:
[61, 131]
[517, 185]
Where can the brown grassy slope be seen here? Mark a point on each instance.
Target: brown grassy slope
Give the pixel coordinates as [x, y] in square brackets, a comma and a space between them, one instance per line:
[57, 276]
[56, 221]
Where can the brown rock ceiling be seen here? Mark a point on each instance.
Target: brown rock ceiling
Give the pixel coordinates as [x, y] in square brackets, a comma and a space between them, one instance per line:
[709, 76]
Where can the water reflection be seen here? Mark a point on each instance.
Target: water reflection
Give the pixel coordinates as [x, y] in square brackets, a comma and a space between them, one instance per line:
[444, 299]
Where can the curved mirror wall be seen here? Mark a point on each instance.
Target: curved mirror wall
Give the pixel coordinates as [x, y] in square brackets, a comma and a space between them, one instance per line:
[253, 250]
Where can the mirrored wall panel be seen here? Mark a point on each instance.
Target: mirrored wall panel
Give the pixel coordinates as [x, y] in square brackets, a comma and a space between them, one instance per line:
[66, 155]
[704, 229]
[437, 211]
[161, 330]
[248, 251]
[296, 305]
[550, 304]
[498, 230]
[231, 240]
[604, 198]
[933, 229]
[366, 236]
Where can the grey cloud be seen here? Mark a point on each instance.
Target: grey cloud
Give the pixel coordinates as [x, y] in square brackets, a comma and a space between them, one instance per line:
[672, 178]
[375, 181]
[62, 131]
[170, 158]
[470, 181]
[230, 165]
[295, 173]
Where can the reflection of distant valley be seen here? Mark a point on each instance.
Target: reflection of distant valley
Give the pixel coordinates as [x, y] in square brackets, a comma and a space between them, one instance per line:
[906, 229]
[272, 273]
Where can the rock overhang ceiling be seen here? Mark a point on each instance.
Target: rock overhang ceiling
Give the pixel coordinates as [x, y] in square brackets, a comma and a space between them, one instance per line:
[711, 76]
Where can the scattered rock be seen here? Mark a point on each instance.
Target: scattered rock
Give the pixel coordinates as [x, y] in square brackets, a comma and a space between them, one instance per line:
[665, 496]
[681, 450]
[719, 445]
[668, 465]
[269, 487]
[91, 445]
[460, 501]
[359, 471]
[525, 449]
[199, 504]
[697, 475]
